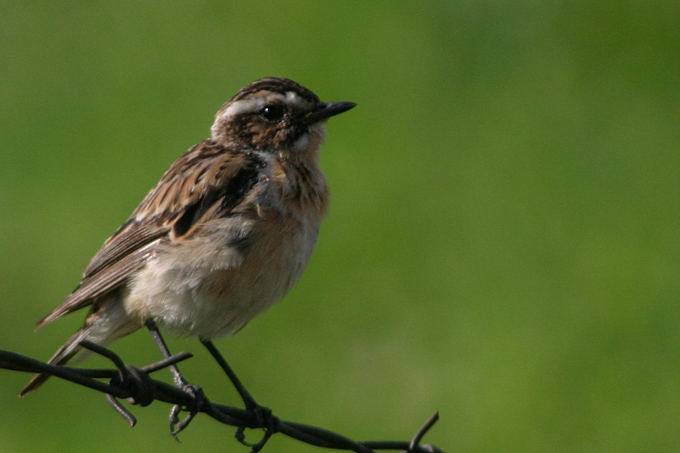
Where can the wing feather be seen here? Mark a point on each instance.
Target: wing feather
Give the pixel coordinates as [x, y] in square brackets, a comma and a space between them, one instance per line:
[207, 182]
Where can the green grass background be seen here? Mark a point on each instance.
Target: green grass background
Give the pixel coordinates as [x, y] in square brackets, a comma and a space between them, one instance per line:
[502, 244]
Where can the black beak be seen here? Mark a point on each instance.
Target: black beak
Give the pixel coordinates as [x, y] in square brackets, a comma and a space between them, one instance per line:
[325, 110]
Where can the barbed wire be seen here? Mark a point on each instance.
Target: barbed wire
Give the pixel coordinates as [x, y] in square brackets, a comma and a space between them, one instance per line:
[137, 387]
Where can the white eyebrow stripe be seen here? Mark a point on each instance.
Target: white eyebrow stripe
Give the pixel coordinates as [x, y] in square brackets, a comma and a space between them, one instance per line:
[243, 106]
[291, 98]
[253, 105]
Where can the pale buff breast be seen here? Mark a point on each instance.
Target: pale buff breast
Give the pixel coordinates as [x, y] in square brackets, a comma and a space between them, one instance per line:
[209, 287]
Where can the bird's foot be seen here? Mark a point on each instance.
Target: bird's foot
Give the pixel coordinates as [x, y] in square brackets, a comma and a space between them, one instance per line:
[198, 401]
[262, 418]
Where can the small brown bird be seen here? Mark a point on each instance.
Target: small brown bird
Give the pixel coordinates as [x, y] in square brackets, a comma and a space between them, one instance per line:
[224, 235]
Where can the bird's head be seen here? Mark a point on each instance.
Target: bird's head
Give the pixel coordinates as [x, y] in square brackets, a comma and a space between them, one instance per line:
[275, 115]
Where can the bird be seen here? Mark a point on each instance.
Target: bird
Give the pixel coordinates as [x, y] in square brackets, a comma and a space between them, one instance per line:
[224, 235]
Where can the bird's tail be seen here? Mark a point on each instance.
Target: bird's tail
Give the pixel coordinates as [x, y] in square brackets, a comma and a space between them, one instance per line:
[107, 321]
[61, 357]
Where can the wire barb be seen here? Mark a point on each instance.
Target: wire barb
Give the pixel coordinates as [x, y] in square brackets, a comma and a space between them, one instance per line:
[414, 446]
[136, 386]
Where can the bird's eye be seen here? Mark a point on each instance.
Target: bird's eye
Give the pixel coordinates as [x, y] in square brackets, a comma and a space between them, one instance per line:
[273, 112]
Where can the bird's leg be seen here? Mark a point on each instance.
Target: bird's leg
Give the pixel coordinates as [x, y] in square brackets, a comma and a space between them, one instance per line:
[248, 400]
[158, 338]
[263, 415]
[195, 391]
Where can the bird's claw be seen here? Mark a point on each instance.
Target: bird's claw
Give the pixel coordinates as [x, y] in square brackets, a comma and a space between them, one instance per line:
[198, 402]
[263, 419]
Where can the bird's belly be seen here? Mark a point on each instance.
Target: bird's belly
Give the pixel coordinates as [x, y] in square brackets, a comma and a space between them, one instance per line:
[212, 290]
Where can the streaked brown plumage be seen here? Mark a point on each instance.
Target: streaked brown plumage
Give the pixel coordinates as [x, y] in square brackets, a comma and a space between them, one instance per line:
[225, 233]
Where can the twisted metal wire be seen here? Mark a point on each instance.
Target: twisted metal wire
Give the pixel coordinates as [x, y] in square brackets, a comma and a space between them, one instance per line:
[137, 387]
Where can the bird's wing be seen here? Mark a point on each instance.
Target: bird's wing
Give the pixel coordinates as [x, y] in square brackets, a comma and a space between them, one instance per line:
[209, 181]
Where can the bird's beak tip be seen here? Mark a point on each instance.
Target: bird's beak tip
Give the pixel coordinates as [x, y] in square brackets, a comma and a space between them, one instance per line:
[327, 109]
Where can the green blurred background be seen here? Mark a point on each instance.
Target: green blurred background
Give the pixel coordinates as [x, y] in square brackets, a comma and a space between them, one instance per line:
[502, 244]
